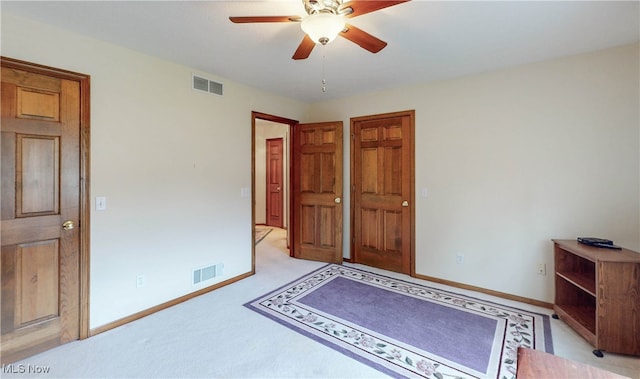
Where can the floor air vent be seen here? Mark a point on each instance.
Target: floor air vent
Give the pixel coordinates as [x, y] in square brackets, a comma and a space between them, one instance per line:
[205, 85]
[207, 273]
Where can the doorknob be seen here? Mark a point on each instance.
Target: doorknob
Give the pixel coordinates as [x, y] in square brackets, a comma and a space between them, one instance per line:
[68, 225]
[405, 203]
[337, 200]
[278, 189]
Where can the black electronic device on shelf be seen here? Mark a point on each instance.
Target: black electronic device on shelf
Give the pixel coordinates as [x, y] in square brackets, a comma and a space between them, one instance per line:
[598, 242]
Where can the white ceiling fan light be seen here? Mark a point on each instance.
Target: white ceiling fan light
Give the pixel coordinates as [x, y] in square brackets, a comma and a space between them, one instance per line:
[323, 27]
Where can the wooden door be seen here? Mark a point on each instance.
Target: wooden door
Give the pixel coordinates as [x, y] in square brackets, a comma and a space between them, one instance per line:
[382, 191]
[40, 207]
[317, 192]
[274, 182]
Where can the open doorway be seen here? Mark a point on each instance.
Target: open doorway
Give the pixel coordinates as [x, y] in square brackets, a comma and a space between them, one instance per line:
[314, 189]
[271, 173]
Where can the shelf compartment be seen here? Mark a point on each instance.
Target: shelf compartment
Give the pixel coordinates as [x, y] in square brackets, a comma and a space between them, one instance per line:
[576, 269]
[584, 281]
[579, 319]
[576, 303]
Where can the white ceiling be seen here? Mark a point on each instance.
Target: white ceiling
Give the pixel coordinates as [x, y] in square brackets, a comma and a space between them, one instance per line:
[428, 40]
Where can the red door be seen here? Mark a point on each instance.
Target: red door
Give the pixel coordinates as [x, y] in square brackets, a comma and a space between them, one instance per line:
[274, 182]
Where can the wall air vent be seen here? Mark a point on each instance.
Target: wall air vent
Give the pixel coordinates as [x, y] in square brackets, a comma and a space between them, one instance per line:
[207, 273]
[199, 83]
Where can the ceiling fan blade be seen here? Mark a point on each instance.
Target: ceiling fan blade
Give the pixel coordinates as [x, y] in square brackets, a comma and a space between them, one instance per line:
[363, 39]
[360, 7]
[251, 19]
[304, 49]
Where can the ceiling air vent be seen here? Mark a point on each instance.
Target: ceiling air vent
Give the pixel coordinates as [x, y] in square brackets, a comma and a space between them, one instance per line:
[203, 84]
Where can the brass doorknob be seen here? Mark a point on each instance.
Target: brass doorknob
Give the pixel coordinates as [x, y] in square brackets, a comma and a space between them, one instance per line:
[405, 203]
[68, 225]
[337, 200]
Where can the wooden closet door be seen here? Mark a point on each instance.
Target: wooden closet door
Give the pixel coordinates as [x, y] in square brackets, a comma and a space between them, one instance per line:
[382, 191]
[40, 210]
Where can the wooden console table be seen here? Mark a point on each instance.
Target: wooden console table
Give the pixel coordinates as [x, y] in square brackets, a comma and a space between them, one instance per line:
[598, 295]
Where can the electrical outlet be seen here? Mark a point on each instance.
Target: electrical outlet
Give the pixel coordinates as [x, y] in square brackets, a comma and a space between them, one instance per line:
[459, 258]
[542, 269]
[139, 281]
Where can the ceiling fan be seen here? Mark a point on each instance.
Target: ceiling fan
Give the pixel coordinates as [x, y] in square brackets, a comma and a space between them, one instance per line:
[325, 20]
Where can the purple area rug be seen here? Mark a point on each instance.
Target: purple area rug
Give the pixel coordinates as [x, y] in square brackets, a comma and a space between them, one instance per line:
[403, 328]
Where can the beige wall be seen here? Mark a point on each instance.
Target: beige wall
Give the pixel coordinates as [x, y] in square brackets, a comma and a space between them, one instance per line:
[510, 159]
[513, 158]
[171, 162]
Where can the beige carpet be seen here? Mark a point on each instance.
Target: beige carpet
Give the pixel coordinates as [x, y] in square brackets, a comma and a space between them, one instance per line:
[215, 336]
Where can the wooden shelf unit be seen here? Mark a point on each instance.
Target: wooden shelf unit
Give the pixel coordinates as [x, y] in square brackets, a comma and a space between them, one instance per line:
[598, 295]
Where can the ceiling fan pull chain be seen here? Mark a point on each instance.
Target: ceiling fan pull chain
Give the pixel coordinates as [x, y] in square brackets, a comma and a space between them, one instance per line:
[324, 82]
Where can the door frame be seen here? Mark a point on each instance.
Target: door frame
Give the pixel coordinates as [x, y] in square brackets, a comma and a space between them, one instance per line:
[281, 120]
[85, 168]
[412, 209]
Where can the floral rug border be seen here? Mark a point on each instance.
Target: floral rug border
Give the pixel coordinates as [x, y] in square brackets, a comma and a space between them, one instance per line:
[394, 357]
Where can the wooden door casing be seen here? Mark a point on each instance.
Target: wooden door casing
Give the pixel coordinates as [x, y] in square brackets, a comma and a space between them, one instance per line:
[382, 179]
[44, 183]
[317, 191]
[275, 154]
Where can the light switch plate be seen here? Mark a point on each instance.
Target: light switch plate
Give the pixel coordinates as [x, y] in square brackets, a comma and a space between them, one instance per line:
[101, 203]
